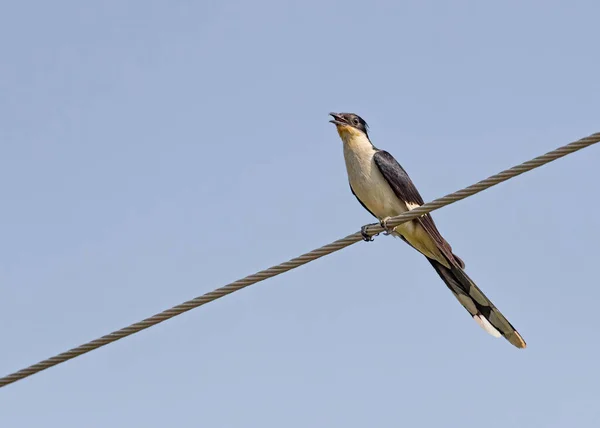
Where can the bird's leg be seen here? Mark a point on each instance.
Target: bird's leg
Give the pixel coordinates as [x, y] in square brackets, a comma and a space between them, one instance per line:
[363, 231]
[383, 223]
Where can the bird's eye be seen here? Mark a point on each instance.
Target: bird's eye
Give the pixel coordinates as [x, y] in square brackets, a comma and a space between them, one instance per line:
[355, 120]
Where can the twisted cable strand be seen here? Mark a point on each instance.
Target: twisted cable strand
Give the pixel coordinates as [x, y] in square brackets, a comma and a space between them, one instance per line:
[298, 261]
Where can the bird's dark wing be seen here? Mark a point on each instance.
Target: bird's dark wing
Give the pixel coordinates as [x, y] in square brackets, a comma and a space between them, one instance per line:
[405, 190]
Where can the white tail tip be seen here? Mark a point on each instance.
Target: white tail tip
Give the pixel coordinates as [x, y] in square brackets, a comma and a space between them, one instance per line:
[485, 324]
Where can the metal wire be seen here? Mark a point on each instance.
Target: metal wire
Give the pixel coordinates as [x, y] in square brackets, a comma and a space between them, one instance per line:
[299, 261]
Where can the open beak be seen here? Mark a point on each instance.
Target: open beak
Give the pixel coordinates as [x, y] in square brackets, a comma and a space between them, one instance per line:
[338, 120]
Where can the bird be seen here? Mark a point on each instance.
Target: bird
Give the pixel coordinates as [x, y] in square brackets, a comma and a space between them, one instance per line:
[385, 190]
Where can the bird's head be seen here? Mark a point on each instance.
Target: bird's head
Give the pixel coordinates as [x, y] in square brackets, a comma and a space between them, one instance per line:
[349, 125]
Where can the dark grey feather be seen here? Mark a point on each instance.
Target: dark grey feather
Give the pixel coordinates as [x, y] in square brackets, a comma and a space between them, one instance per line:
[460, 284]
[405, 190]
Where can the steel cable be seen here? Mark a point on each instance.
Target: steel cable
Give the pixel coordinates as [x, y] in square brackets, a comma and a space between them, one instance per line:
[299, 261]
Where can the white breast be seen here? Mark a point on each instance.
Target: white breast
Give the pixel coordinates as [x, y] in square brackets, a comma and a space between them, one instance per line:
[366, 180]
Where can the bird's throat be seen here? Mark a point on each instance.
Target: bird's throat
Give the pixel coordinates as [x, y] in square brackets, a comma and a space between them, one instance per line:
[349, 133]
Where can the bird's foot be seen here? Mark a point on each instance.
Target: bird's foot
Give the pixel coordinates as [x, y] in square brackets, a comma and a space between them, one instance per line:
[386, 229]
[365, 235]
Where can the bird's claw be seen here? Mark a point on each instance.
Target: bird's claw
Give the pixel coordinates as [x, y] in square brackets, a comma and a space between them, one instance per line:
[365, 235]
[383, 223]
[386, 229]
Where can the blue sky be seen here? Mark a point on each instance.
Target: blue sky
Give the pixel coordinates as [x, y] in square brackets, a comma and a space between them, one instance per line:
[153, 151]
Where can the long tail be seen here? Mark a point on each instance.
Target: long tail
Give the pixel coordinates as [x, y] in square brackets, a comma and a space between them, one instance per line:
[480, 307]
